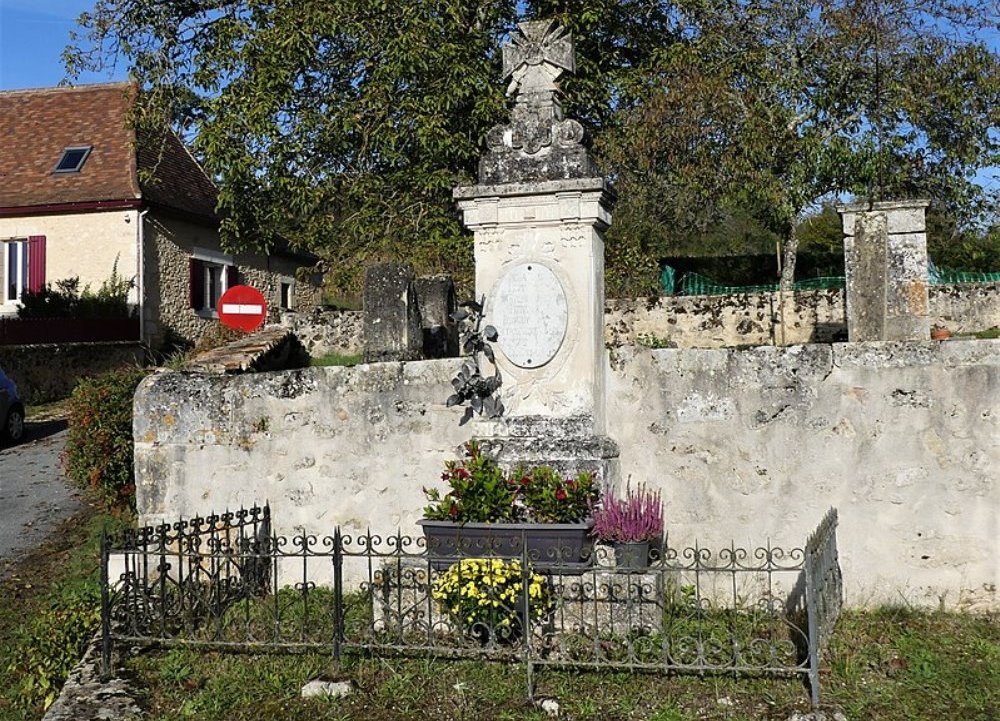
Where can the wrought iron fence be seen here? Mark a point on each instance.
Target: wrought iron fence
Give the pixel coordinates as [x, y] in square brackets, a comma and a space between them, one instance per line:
[227, 581]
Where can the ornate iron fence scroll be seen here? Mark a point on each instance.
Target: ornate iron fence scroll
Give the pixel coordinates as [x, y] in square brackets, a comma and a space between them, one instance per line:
[227, 582]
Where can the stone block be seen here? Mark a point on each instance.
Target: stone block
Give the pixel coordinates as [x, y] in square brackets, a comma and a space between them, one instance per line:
[327, 689]
[393, 329]
[436, 300]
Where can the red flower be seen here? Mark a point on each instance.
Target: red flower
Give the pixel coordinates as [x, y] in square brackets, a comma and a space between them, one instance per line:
[453, 511]
[560, 494]
[462, 473]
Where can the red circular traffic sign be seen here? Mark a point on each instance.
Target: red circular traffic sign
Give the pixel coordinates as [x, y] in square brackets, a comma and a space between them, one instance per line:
[242, 307]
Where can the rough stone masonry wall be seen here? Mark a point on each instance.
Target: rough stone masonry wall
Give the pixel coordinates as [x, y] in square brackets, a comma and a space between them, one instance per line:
[746, 445]
[699, 321]
[50, 372]
[719, 321]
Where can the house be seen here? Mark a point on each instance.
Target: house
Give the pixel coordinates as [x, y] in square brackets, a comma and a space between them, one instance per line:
[80, 197]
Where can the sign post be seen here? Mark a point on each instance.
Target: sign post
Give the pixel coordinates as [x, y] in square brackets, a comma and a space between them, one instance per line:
[242, 307]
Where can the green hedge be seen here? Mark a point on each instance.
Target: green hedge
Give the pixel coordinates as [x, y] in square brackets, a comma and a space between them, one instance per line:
[99, 448]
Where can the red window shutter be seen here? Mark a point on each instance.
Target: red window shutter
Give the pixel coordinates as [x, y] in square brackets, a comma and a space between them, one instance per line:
[197, 282]
[36, 263]
[232, 277]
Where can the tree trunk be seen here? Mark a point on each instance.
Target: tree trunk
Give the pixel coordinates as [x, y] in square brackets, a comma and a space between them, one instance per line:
[785, 297]
[790, 250]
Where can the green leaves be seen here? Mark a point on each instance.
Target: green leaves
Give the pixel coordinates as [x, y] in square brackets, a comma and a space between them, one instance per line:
[344, 125]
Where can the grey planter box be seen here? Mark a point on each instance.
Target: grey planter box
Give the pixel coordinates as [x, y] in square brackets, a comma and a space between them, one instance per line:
[559, 548]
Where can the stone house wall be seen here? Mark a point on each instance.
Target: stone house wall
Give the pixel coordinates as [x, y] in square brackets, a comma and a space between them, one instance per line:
[746, 445]
[84, 245]
[167, 311]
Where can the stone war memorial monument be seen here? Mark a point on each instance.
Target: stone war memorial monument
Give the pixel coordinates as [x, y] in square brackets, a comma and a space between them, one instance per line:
[538, 214]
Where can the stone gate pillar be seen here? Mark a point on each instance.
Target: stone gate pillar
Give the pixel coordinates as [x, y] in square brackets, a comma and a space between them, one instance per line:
[885, 260]
[538, 214]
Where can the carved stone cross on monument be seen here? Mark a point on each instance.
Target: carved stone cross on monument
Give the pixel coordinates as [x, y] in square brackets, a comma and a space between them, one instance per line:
[538, 144]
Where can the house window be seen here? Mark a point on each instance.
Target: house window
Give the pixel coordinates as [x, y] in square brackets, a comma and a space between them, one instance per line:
[23, 267]
[287, 292]
[72, 159]
[212, 274]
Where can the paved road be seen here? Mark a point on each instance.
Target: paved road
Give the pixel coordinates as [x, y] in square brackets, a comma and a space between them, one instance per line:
[34, 495]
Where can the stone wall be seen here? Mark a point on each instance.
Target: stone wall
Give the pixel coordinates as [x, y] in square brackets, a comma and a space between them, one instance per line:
[324, 330]
[167, 310]
[715, 321]
[720, 321]
[747, 445]
[49, 372]
[965, 308]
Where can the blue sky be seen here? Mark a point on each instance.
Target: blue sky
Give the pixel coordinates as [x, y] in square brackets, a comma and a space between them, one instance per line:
[33, 34]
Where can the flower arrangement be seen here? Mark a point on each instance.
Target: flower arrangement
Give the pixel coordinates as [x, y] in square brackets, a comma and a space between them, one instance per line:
[482, 493]
[636, 518]
[484, 595]
[549, 498]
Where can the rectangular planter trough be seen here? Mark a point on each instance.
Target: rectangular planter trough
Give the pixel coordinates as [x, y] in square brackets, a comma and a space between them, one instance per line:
[559, 548]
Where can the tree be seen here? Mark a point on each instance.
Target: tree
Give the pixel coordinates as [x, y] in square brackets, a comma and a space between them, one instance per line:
[771, 106]
[344, 125]
[341, 125]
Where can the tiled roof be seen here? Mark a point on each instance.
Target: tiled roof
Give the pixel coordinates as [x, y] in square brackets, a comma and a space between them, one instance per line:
[37, 125]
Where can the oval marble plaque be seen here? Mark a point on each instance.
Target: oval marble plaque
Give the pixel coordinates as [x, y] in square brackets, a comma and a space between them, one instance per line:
[529, 312]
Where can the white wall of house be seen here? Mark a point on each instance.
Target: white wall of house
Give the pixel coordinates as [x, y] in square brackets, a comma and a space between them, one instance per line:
[84, 245]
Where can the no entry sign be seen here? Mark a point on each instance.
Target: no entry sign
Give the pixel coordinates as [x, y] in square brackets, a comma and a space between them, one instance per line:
[242, 307]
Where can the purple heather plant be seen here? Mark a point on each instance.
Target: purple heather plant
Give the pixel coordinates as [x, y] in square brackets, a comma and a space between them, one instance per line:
[635, 518]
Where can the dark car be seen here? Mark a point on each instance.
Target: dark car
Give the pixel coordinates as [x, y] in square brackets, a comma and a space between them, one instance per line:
[11, 411]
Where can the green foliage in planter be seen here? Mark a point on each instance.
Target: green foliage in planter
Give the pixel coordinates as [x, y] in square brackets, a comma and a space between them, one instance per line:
[52, 645]
[480, 491]
[550, 498]
[99, 446]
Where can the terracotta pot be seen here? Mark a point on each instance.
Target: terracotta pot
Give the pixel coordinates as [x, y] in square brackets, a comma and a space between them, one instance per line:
[940, 334]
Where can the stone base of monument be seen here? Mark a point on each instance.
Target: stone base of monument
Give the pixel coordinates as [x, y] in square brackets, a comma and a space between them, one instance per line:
[565, 444]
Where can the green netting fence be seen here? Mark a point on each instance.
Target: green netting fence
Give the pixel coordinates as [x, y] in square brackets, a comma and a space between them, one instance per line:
[947, 276]
[697, 284]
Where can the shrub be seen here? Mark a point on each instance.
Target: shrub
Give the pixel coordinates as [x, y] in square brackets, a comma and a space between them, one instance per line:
[98, 453]
[66, 300]
[480, 491]
[52, 645]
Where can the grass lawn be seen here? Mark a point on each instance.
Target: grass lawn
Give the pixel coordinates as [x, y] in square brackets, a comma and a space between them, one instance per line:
[887, 664]
[336, 359]
[890, 664]
[43, 587]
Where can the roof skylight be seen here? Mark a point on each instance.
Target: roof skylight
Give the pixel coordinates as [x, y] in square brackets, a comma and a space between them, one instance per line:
[73, 159]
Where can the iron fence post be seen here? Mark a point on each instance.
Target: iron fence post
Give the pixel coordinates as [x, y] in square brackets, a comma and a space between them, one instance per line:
[105, 609]
[812, 621]
[338, 596]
